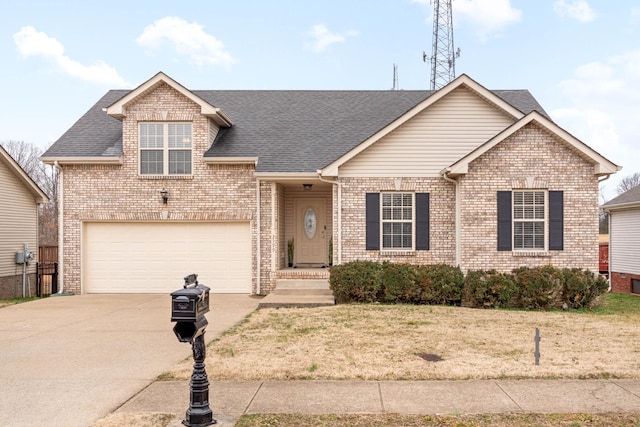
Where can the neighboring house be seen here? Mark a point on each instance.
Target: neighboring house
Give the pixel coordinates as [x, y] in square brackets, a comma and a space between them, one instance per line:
[19, 200]
[161, 181]
[624, 241]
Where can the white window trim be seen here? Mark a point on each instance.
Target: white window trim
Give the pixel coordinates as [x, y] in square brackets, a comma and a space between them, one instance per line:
[413, 224]
[545, 249]
[165, 150]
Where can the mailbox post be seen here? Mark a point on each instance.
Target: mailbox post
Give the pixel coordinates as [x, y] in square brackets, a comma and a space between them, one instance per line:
[188, 307]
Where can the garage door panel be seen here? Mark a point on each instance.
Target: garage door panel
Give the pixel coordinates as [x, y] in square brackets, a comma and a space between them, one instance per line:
[155, 257]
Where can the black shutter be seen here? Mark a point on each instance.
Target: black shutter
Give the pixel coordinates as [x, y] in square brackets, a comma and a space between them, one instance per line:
[422, 221]
[373, 221]
[504, 220]
[556, 220]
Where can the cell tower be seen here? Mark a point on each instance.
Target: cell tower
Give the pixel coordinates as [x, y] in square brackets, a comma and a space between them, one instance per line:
[443, 57]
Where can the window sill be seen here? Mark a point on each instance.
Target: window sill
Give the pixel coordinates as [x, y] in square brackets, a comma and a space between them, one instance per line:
[158, 177]
[397, 253]
[539, 254]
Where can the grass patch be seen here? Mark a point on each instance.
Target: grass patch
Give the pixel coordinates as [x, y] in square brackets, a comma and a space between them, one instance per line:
[393, 420]
[619, 304]
[380, 342]
[13, 301]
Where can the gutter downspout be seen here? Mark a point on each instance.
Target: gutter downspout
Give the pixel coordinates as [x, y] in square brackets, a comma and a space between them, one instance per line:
[609, 230]
[608, 250]
[60, 228]
[339, 214]
[457, 215]
[258, 241]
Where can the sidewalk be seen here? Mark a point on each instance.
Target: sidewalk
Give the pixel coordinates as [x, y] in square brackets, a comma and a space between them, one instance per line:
[230, 400]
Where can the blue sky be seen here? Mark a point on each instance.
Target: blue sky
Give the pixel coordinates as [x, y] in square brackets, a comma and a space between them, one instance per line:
[579, 58]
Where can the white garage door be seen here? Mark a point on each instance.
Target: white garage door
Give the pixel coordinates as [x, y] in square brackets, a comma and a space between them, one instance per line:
[155, 257]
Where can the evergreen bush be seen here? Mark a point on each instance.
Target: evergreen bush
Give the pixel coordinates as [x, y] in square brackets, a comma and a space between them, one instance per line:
[488, 289]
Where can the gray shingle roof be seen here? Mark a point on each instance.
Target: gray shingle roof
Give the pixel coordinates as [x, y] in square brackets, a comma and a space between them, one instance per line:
[630, 196]
[290, 131]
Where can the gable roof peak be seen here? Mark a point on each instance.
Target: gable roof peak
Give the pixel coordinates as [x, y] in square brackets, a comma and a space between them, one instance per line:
[119, 108]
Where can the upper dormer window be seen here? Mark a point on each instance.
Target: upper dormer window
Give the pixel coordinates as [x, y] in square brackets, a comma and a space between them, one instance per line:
[165, 148]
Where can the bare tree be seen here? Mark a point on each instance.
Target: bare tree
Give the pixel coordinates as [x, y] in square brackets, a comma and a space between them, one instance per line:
[628, 182]
[27, 156]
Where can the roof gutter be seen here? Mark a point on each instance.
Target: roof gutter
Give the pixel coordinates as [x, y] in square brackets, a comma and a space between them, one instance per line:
[456, 183]
[89, 160]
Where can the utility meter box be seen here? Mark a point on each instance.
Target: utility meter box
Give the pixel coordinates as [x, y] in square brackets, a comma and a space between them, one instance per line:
[191, 303]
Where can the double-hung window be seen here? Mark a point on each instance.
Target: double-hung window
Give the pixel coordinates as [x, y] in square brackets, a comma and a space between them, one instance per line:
[529, 219]
[165, 148]
[397, 221]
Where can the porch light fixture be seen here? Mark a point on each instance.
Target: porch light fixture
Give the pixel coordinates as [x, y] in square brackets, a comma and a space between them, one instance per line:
[165, 196]
[307, 187]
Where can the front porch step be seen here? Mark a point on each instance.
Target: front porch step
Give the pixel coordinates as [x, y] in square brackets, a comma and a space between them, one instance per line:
[302, 287]
[299, 293]
[298, 301]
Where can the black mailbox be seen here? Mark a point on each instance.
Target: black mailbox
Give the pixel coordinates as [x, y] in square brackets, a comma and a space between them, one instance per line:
[190, 303]
[188, 307]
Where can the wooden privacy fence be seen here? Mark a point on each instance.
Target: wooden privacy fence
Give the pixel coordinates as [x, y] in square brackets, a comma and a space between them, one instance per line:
[47, 271]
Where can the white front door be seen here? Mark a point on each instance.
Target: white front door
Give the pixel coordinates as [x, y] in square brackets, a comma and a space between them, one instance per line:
[310, 246]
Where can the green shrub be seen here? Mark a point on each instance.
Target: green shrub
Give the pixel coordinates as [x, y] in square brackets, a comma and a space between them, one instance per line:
[440, 284]
[581, 288]
[399, 283]
[356, 281]
[538, 287]
[488, 289]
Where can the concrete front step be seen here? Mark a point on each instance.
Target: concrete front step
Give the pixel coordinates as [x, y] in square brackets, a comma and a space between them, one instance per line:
[273, 300]
[302, 287]
[299, 293]
[282, 284]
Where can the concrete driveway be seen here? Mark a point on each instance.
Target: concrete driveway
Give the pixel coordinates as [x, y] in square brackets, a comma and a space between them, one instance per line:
[70, 360]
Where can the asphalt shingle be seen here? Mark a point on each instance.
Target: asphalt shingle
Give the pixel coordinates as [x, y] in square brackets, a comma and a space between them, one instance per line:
[290, 131]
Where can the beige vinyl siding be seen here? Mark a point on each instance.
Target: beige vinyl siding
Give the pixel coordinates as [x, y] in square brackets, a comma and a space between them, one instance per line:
[624, 241]
[18, 222]
[432, 140]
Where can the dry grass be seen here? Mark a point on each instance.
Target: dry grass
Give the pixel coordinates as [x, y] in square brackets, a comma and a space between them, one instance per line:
[138, 420]
[380, 342]
[493, 420]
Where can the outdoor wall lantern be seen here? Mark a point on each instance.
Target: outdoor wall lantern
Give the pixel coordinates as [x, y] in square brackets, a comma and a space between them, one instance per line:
[165, 196]
[307, 187]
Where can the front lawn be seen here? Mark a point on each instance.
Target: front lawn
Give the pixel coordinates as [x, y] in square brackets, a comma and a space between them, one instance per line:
[408, 342]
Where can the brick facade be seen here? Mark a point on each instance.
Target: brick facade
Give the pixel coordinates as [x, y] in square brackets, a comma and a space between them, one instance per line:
[622, 283]
[441, 212]
[532, 158]
[118, 193]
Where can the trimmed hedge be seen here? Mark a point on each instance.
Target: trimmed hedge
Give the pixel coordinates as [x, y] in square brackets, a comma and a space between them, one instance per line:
[440, 284]
[488, 289]
[582, 288]
[536, 288]
[357, 281]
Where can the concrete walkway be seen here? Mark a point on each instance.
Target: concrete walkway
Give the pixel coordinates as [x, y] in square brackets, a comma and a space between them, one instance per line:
[230, 400]
[70, 360]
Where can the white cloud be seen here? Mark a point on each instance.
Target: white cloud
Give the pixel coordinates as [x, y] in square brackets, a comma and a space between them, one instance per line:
[603, 107]
[575, 9]
[188, 39]
[323, 38]
[488, 17]
[30, 42]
